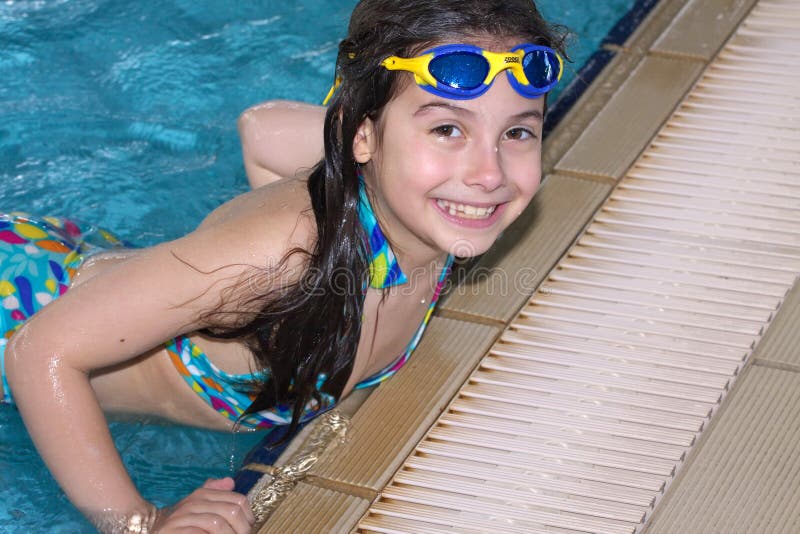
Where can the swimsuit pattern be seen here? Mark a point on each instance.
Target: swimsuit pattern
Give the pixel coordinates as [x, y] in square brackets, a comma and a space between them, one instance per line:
[38, 258]
[384, 271]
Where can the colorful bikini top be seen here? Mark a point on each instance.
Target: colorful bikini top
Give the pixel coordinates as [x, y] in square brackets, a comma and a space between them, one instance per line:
[219, 388]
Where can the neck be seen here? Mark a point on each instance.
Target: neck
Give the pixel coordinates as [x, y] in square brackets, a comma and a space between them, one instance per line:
[412, 254]
[416, 267]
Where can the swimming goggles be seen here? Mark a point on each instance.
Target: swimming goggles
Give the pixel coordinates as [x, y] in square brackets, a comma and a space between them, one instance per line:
[463, 71]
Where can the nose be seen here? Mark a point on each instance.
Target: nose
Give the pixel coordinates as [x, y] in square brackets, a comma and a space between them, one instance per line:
[485, 168]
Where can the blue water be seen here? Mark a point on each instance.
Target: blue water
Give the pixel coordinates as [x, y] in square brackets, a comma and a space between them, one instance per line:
[123, 114]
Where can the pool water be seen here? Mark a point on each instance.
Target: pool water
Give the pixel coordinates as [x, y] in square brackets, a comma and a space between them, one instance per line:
[123, 114]
[166, 462]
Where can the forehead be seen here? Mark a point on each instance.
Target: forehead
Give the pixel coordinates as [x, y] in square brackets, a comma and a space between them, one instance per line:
[498, 104]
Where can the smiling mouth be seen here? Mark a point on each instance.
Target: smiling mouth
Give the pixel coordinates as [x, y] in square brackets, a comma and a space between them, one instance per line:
[466, 211]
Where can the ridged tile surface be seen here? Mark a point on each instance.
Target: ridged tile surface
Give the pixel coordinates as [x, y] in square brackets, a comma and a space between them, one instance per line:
[328, 512]
[747, 475]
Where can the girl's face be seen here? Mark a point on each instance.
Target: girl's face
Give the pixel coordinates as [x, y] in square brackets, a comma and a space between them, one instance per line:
[450, 175]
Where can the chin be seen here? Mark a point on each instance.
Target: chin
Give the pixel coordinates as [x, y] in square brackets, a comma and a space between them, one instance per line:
[469, 248]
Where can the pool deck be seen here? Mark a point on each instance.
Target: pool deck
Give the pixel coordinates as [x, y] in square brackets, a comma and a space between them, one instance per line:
[740, 471]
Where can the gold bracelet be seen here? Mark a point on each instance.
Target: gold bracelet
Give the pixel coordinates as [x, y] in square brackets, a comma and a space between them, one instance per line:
[134, 523]
[137, 524]
[330, 430]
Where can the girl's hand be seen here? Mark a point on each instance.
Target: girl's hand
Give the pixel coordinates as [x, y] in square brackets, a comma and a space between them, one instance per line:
[212, 508]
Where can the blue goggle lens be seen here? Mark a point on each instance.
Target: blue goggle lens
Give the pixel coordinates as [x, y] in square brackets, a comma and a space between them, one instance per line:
[459, 70]
[541, 68]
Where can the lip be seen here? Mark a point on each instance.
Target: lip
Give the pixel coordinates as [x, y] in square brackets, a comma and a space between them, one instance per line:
[472, 223]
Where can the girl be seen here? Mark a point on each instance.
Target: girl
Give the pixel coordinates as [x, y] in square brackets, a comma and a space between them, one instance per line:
[286, 298]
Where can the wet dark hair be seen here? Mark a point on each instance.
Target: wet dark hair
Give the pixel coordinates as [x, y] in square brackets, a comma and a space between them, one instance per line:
[314, 326]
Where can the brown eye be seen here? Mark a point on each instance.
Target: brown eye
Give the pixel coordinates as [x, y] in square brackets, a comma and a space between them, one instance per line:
[447, 130]
[519, 134]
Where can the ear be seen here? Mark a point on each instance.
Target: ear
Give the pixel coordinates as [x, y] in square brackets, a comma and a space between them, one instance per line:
[365, 142]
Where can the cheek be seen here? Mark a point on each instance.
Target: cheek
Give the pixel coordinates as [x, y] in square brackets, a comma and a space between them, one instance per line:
[533, 183]
[527, 178]
[413, 165]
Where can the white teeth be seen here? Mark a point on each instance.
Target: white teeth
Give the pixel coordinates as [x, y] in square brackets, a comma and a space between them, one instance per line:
[465, 211]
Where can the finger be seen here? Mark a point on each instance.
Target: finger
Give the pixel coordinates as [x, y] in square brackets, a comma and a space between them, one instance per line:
[199, 523]
[168, 529]
[230, 506]
[231, 497]
[225, 484]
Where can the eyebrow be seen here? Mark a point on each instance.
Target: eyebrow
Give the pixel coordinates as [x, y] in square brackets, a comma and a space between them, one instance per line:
[532, 113]
[450, 107]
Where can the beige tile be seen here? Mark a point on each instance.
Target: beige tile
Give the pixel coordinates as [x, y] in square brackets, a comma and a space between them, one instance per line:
[310, 510]
[654, 26]
[746, 474]
[781, 343]
[506, 276]
[588, 106]
[396, 416]
[618, 70]
[702, 27]
[624, 128]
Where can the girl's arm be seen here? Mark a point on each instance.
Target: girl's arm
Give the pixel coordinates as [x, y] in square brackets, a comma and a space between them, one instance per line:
[280, 138]
[112, 319]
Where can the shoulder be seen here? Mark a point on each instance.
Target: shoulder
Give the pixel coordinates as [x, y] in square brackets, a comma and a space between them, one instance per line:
[250, 236]
[262, 218]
